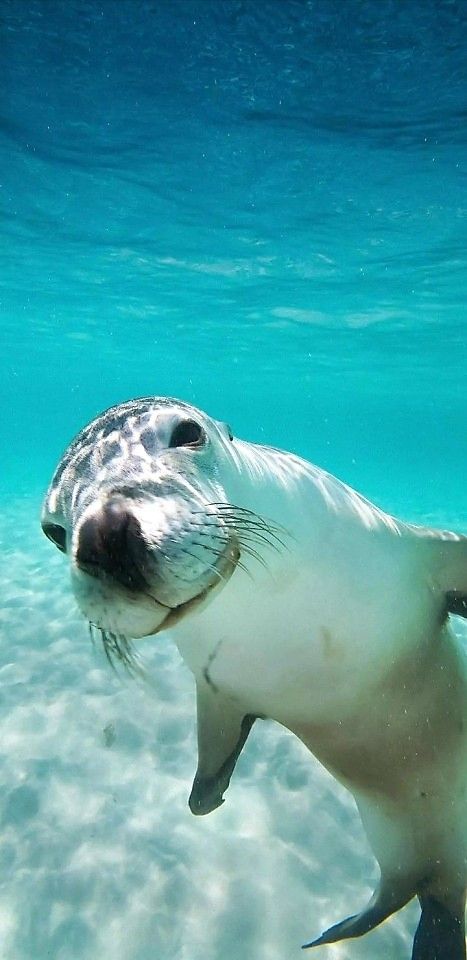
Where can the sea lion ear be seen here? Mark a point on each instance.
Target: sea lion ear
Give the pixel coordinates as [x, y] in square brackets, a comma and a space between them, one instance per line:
[223, 728]
[225, 429]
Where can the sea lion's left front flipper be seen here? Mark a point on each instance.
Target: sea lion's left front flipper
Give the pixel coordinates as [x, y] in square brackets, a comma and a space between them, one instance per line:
[447, 553]
[223, 728]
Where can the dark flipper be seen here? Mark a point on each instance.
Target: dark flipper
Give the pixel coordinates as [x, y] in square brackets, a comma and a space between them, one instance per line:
[457, 603]
[223, 728]
[440, 934]
[384, 902]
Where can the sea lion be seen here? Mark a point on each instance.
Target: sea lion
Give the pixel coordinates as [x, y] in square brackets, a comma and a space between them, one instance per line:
[293, 598]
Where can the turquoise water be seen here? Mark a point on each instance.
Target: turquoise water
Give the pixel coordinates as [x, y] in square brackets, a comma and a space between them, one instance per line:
[258, 208]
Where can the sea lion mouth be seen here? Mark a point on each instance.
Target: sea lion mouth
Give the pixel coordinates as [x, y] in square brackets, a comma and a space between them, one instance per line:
[137, 572]
[118, 647]
[124, 606]
[133, 581]
[223, 569]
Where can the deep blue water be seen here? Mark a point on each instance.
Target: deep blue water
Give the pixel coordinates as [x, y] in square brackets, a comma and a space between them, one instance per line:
[258, 207]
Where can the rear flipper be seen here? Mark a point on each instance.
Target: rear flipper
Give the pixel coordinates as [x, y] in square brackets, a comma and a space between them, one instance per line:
[440, 934]
[384, 902]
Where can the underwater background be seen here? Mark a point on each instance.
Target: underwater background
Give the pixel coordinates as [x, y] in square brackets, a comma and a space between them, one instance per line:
[258, 207]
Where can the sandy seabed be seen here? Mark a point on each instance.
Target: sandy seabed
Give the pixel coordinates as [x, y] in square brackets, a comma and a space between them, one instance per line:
[100, 858]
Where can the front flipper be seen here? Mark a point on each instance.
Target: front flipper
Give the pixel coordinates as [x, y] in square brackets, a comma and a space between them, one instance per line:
[223, 728]
[385, 901]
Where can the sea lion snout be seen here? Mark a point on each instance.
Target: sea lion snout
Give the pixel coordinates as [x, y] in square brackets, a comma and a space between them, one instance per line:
[110, 542]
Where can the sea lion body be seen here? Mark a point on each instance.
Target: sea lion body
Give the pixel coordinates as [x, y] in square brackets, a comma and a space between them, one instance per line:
[316, 609]
[350, 650]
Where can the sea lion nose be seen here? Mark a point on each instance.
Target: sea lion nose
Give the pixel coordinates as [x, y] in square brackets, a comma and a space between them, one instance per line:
[111, 542]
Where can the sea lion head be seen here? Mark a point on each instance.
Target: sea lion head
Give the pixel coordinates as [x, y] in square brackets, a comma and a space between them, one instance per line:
[137, 504]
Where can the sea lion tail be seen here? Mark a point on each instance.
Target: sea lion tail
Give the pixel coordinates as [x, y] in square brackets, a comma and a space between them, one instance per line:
[386, 900]
[440, 934]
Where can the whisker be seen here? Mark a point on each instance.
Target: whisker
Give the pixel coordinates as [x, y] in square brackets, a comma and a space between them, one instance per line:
[272, 524]
[254, 555]
[92, 628]
[118, 651]
[210, 566]
[188, 553]
[242, 542]
[219, 553]
[254, 523]
[254, 536]
[258, 528]
[259, 531]
[251, 530]
[245, 541]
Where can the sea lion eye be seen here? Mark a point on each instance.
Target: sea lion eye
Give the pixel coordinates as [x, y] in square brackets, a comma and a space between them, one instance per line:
[56, 534]
[187, 433]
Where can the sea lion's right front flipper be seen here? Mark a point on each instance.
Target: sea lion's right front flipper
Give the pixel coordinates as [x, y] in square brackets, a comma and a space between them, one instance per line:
[223, 728]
